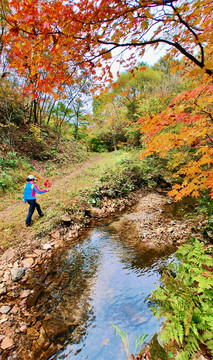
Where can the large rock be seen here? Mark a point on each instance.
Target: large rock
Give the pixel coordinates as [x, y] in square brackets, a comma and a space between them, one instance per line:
[17, 273]
[156, 351]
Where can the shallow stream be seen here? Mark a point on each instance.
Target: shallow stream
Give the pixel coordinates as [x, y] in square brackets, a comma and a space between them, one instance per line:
[103, 281]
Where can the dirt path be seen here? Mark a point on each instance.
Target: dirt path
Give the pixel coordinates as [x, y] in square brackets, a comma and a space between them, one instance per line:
[12, 216]
[4, 211]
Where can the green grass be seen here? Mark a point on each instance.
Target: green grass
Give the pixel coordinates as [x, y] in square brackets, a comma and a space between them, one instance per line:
[67, 183]
[75, 186]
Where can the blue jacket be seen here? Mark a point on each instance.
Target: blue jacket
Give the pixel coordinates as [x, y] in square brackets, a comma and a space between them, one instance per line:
[30, 191]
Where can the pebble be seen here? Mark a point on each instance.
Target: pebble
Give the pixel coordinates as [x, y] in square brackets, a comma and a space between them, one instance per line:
[47, 246]
[23, 328]
[6, 276]
[5, 309]
[3, 319]
[7, 343]
[24, 294]
[3, 290]
[27, 263]
[14, 310]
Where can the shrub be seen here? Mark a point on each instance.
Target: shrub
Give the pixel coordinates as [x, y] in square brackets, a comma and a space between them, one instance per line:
[11, 171]
[127, 174]
[11, 160]
[96, 144]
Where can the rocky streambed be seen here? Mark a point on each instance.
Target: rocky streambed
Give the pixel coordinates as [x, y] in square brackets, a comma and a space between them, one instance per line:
[27, 331]
[154, 223]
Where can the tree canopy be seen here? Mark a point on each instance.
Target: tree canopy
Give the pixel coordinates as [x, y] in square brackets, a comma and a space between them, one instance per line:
[48, 42]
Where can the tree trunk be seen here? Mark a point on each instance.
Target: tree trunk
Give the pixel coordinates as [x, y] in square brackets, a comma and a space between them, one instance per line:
[35, 118]
[50, 113]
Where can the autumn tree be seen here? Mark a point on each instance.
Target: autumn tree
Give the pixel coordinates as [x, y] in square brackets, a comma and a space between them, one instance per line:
[136, 84]
[49, 49]
[86, 30]
[186, 126]
[109, 116]
[3, 24]
[140, 91]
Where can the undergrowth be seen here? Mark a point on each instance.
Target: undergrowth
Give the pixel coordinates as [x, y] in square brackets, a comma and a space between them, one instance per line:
[127, 174]
[13, 168]
[185, 301]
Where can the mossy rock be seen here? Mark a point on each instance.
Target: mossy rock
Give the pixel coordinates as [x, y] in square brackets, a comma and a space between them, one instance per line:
[157, 352]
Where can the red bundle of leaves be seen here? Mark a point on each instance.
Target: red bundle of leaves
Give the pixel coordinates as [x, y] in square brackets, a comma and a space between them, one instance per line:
[48, 183]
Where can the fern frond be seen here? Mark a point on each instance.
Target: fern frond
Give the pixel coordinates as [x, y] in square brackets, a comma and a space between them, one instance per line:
[207, 335]
[186, 300]
[184, 355]
[209, 344]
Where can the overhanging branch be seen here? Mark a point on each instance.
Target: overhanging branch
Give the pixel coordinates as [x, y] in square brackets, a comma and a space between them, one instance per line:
[156, 41]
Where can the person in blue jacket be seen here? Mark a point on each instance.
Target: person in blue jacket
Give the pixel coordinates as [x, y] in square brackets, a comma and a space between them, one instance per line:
[30, 191]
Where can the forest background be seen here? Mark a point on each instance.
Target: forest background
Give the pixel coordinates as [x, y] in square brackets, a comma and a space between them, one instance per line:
[49, 70]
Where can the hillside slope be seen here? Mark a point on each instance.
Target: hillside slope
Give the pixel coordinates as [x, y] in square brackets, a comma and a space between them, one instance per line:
[54, 204]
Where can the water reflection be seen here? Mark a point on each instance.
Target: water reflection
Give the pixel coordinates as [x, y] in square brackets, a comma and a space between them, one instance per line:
[100, 281]
[176, 210]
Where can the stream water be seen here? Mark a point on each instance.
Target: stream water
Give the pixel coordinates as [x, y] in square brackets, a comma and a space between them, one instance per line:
[107, 282]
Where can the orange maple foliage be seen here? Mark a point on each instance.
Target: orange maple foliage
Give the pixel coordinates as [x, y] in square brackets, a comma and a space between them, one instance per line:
[185, 125]
[48, 41]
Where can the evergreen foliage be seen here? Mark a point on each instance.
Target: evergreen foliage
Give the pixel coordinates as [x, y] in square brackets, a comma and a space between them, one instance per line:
[185, 301]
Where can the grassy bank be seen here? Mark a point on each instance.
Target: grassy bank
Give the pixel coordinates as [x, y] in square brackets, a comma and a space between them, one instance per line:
[75, 187]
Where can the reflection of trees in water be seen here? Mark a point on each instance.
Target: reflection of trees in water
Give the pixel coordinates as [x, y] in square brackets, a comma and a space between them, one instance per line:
[68, 280]
[139, 257]
[176, 210]
[150, 259]
[77, 271]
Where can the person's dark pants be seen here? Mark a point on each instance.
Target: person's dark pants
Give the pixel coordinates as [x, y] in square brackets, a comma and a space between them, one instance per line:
[33, 205]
